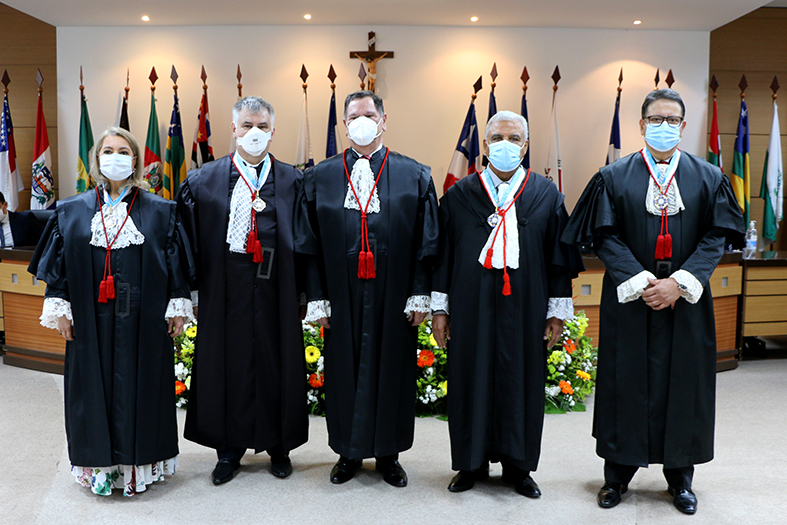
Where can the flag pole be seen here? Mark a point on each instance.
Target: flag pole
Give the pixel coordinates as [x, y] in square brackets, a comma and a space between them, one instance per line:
[774, 87]
[127, 77]
[523, 110]
[240, 86]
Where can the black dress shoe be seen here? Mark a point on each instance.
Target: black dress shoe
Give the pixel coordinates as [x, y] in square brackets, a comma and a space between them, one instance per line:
[684, 499]
[528, 488]
[344, 470]
[224, 471]
[464, 480]
[610, 494]
[281, 466]
[392, 472]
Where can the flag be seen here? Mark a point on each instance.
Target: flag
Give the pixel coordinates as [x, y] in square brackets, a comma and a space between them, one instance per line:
[772, 190]
[201, 150]
[613, 153]
[152, 168]
[740, 178]
[175, 156]
[334, 144]
[526, 160]
[84, 180]
[303, 149]
[10, 178]
[714, 146]
[466, 157]
[554, 170]
[42, 196]
[124, 115]
[492, 105]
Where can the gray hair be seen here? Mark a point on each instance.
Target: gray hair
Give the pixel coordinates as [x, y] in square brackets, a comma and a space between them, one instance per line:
[506, 116]
[253, 105]
[357, 95]
[137, 178]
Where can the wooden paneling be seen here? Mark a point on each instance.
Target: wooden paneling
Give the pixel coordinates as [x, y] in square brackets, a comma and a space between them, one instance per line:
[765, 309]
[725, 311]
[764, 329]
[765, 273]
[726, 280]
[766, 288]
[587, 288]
[22, 328]
[14, 278]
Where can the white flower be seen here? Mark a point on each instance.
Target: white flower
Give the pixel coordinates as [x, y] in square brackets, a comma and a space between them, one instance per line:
[561, 368]
[553, 391]
[429, 371]
[320, 364]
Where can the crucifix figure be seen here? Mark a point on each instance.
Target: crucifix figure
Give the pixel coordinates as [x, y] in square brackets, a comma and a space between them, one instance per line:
[371, 56]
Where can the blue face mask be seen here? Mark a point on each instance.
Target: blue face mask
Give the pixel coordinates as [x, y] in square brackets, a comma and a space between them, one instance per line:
[504, 155]
[662, 137]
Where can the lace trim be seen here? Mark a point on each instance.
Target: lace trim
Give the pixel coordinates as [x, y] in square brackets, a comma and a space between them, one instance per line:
[195, 298]
[560, 307]
[317, 310]
[418, 303]
[632, 289]
[130, 478]
[674, 202]
[53, 309]
[240, 218]
[180, 307]
[113, 218]
[362, 178]
[693, 290]
[439, 302]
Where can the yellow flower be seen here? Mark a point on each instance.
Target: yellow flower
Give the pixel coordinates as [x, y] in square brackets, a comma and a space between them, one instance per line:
[584, 376]
[191, 331]
[444, 386]
[312, 354]
[433, 341]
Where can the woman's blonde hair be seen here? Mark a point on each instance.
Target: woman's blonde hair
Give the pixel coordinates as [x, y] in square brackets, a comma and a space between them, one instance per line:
[137, 178]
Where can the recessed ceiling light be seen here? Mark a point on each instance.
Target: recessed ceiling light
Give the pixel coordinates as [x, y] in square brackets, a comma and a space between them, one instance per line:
[474, 19]
[145, 18]
[637, 22]
[307, 16]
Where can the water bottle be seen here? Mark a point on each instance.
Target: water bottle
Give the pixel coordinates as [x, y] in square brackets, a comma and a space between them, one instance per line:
[750, 250]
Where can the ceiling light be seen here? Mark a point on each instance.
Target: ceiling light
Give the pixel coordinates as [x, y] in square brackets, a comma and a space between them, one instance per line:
[145, 18]
[307, 16]
[474, 19]
[637, 22]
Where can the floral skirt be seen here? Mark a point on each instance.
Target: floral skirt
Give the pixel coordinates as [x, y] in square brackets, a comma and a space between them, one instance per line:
[131, 478]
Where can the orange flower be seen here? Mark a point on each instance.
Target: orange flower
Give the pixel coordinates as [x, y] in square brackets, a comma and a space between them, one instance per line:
[569, 346]
[322, 332]
[584, 376]
[179, 388]
[565, 386]
[316, 380]
[425, 358]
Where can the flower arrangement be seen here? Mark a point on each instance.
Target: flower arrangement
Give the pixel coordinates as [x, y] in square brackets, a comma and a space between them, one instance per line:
[314, 342]
[184, 360]
[571, 368]
[432, 379]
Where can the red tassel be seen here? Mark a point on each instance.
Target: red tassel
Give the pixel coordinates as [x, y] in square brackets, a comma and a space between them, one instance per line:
[362, 265]
[257, 251]
[110, 287]
[102, 292]
[506, 284]
[488, 260]
[661, 253]
[251, 241]
[370, 272]
[668, 246]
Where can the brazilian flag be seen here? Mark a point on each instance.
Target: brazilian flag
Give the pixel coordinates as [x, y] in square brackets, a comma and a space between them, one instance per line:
[84, 180]
[741, 175]
[175, 156]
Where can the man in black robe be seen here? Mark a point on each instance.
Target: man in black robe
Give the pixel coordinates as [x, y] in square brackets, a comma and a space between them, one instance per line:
[367, 226]
[247, 388]
[503, 275]
[657, 219]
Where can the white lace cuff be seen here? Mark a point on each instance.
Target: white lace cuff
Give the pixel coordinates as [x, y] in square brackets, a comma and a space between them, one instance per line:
[560, 307]
[53, 309]
[693, 290]
[317, 310]
[439, 302]
[417, 303]
[195, 298]
[180, 307]
[632, 289]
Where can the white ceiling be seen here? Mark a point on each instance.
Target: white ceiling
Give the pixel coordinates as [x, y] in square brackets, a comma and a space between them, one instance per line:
[683, 15]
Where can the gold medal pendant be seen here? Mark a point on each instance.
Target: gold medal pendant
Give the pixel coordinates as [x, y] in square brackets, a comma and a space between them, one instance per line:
[258, 204]
[661, 201]
[493, 220]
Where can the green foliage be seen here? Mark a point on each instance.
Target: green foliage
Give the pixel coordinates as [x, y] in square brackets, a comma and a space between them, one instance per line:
[571, 368]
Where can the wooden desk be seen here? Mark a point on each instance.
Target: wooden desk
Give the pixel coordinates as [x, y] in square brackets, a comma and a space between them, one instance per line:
[764, 295]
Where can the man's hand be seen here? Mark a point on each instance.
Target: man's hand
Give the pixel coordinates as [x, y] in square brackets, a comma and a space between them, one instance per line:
[553, 331]
[416, 317]
[65, 328]
[175, 326]
[441, 329]
[661, 293]
[325, 322]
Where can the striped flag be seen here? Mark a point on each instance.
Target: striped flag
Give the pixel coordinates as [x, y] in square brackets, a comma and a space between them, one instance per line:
[613, 153]
[10, 178]
[334, 144]
[466, 159]
[175, 156]
[772, 190]
[741, 175]
[84, 180]
[201, 150]
[42, 196]
[554, 170]
[303, 149]
[526, 160]
[714, 145]
[124, 115]
[152, 168]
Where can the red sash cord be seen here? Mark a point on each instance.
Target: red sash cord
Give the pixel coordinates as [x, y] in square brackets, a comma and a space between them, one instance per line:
[106, 290]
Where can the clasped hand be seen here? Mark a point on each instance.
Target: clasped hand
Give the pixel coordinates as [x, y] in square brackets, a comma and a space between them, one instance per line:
[661, 293]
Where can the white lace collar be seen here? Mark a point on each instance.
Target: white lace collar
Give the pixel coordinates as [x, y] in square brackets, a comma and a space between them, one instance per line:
[113, 218]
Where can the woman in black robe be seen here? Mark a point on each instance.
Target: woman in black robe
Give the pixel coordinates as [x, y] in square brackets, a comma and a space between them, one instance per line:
[118, 308]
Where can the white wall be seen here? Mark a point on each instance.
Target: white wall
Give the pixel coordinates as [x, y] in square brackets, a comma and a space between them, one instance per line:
[426, 87]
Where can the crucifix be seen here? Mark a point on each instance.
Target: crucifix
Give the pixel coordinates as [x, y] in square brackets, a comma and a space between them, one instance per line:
[371, 56]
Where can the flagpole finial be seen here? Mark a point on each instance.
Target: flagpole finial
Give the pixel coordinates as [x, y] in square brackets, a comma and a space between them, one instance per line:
[656, 80]
[476, 88]
[362, 75]
[204, 76]
[40, 80]
[81, 82]
[555, 77]
[525, 77]
[493, 74]
[304, 76]
[775, 86]
[174, 76]
[240, 86]
[743, 85]
[127, 88]
[6, 81]
[620, 81]
[670, 79]
[714, 85]
[332, 77]
[153, 77]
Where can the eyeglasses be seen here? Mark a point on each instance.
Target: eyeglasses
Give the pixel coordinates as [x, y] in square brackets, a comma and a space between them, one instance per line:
[657, 120]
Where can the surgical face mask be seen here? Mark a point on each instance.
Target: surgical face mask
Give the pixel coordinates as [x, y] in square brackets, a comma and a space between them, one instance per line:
[362, 131]
[254, 141]
[662, 137]
[115, 166]
[504, 155]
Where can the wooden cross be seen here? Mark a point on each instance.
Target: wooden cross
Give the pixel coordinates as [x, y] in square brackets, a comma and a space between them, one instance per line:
[371, 56]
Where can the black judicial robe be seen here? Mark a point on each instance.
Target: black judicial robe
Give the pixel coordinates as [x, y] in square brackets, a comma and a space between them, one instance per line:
[497, 354]
[656, 386]
[247, 385]
[119, 376]
[370, 349]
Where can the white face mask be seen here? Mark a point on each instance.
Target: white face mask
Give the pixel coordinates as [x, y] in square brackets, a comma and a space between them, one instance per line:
[254, 141]
[115, 166]
[363, 131]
